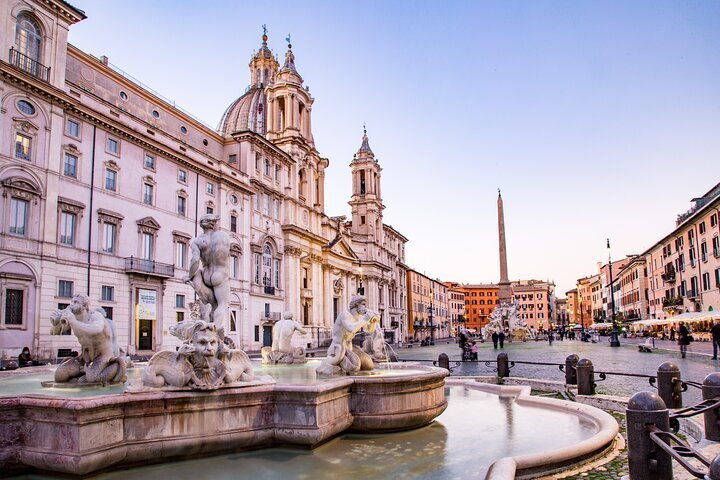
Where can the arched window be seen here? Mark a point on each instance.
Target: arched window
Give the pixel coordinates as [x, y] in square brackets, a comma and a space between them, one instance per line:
[257, 77]
[267, 77]
[28, 37]
[302, 183]
[267, 261]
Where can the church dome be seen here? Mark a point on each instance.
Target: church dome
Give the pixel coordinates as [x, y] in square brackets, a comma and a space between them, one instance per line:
[248, 112]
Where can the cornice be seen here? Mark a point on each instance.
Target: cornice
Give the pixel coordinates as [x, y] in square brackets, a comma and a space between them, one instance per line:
[289, 228]
[259, 140]
[65, 10]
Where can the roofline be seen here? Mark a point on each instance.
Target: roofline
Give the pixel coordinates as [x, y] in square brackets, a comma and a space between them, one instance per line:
[715, 202]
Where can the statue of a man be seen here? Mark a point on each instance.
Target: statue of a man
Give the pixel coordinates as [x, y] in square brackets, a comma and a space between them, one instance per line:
[209, 271]
[342, 357]
[283, 331]
[100, 360]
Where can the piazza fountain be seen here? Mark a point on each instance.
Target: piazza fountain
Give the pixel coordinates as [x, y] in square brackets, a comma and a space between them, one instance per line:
[207, 399]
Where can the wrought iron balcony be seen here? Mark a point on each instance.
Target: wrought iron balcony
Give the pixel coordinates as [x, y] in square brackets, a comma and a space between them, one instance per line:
[269, 290]
[28, 65]
[149, 267]
[668, 277]
[270, 316]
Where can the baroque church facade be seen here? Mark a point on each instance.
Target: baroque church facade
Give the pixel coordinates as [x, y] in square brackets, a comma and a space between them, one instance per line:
[103, 182]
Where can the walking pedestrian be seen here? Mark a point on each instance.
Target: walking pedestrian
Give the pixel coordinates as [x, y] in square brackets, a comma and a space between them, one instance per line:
[672, 334]
[715, 331]
[551, 337]
[495, 338]
[474, 351]
[683, 336]
[501, 338]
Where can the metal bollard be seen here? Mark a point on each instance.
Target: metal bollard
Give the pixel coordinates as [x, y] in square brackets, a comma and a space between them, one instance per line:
[444, 361]
[570, 374]
[669, 385]
[585, 377]
[714, 469]
[646, 460]
[503, 366]
[711, 389]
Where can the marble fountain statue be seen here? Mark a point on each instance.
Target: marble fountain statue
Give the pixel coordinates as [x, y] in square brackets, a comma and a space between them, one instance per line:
[505, 318]
[207, 398]
[282, 350]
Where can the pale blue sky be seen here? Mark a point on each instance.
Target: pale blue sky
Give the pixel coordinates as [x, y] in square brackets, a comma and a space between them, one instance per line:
[597, 119]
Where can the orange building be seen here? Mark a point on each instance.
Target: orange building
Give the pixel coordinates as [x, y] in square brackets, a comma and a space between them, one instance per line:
[480, 301]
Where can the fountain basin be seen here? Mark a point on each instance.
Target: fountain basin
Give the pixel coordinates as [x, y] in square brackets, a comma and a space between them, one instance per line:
[87, 434]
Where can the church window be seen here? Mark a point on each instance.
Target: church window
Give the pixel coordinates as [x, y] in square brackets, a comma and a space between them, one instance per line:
[267, 167]
[266, 77]
[302, 183]
[362, 219]
[362, 182]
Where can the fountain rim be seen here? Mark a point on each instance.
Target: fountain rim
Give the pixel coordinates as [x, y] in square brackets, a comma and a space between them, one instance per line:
[547, 461]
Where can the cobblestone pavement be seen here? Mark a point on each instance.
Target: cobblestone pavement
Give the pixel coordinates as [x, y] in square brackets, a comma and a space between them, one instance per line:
[623, 359]
[613, 470]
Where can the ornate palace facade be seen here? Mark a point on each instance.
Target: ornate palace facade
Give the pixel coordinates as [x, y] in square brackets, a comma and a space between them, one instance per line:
[103, 182]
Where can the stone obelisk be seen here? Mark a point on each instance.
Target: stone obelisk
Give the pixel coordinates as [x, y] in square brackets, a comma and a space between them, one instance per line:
[505, 291]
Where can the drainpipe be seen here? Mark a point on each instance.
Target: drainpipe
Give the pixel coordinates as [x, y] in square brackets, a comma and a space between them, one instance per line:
[92, 196]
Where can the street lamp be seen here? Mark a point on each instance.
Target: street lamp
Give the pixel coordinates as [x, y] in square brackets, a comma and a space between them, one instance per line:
[614, 339]
[430, 317]
[582, 320]
[361, 289]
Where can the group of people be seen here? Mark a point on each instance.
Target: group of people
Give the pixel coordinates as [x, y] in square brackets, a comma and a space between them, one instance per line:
[684, 337]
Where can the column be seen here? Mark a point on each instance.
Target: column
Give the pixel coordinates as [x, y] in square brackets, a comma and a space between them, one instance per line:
[328, 292]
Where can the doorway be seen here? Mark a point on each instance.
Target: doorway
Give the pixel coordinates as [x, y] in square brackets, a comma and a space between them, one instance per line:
[267, 336]
[145, 340]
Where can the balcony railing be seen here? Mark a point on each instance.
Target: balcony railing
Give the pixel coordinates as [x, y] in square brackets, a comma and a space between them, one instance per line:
[668, 277]
[672, 302]
[28, 65]
[269, 290]
[149, 267]
[270, 316]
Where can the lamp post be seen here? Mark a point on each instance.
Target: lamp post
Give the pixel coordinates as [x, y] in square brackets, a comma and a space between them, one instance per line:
[614, 339]
[431, 324]
[361, 289]
[582, 320]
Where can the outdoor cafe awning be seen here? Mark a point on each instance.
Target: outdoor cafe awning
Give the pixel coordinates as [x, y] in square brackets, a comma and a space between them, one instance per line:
[689, 317]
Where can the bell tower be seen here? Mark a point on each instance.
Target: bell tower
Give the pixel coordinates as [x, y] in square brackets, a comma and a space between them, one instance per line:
[290, 104]
[366, 201]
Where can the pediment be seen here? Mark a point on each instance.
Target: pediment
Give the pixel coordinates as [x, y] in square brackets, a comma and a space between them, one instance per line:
[340, 246]
[148, 223]
[17, 184]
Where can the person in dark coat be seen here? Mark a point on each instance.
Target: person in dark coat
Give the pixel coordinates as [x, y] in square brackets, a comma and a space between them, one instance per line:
[501, 338]
[25, 359]
[715, 331]
[672, 334]
[683, 336]
[495, 338]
